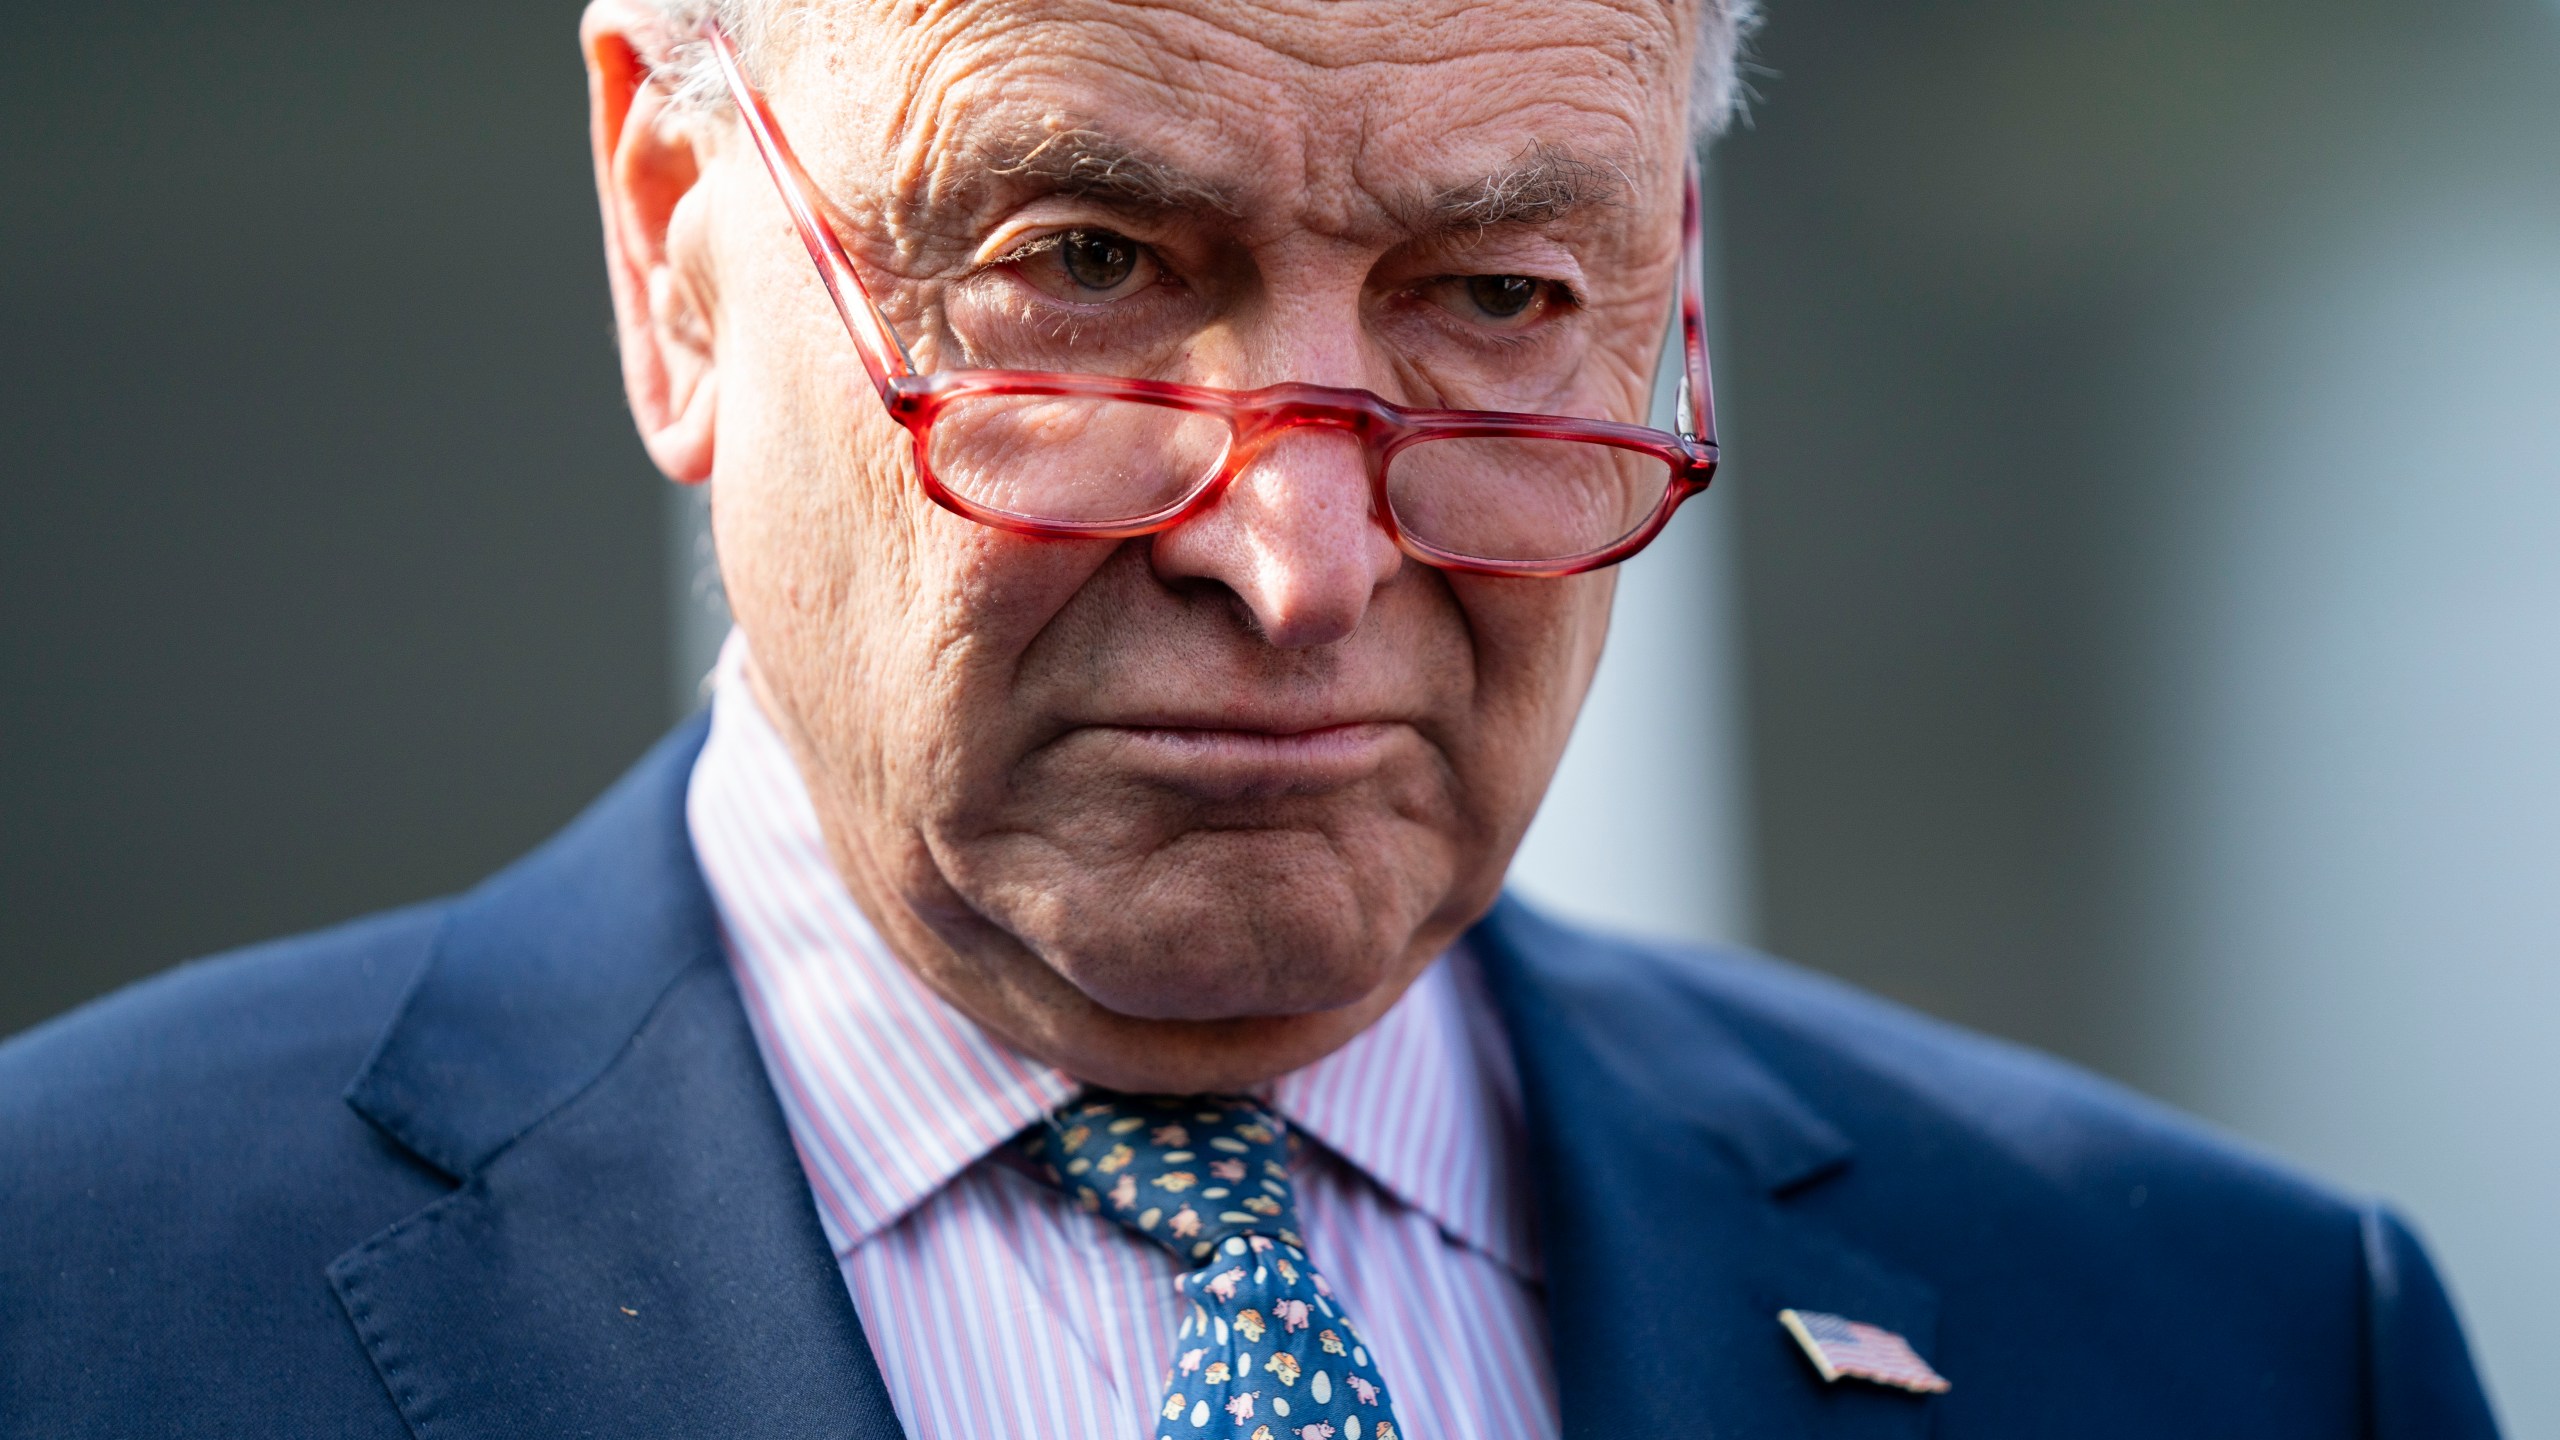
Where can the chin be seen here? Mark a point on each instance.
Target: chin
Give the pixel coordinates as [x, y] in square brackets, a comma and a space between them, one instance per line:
[1240, 951]
[1223, 973]
[1204, 924]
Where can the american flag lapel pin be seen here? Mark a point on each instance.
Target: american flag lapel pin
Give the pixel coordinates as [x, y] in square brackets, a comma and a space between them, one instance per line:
[1846, 1349]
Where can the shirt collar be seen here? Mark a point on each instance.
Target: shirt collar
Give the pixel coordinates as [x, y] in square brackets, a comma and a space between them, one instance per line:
[891, 1093]
[1426, 1103]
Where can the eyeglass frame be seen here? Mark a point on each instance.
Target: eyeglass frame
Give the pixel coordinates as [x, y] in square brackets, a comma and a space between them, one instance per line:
[914, 399]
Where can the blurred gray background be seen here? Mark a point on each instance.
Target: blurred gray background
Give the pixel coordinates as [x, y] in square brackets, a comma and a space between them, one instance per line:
[2131, 622]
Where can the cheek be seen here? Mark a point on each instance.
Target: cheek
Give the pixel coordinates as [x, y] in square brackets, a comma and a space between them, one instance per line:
[1536, 643]
[905, 628]
[809, 553]
[887, 627]
[805, 489]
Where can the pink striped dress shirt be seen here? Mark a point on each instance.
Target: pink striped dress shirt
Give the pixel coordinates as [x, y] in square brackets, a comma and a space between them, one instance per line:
[996, 1310]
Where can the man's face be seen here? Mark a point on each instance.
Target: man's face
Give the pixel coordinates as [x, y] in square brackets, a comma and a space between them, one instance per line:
[1180, 812]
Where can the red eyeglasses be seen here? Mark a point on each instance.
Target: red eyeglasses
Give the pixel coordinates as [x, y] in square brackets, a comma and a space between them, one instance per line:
[1068, 455]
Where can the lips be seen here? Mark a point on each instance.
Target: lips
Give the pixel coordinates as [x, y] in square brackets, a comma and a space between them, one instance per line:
[1309, 739]
[1229, 761]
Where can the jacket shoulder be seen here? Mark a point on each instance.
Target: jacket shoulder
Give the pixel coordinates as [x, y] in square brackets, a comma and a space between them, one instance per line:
[1870, 1064]
[182, 1163]
[282, 1017]
[218, 1083]
[2078, 1169]
[1878, 1050]
[2084, 1240]
[177, 1169]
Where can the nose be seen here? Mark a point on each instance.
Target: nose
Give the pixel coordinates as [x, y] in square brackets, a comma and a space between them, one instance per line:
[1293, 538]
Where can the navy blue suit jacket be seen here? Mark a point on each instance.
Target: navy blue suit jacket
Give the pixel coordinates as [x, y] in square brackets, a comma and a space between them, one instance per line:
[509, 1166]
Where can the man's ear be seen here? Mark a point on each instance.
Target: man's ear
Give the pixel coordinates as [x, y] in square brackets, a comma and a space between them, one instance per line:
[647, 166]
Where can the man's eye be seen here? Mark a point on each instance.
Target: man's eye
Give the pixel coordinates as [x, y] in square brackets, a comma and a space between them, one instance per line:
[1504, 297]
[1098, 259]
[1091, 265]
[1501, 302]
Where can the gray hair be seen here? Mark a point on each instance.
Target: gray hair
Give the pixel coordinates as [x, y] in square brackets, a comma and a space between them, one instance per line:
[1716, 91]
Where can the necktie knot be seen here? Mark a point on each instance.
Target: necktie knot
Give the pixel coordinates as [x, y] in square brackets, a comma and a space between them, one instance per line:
[1264, 1352]
[1189, 1172]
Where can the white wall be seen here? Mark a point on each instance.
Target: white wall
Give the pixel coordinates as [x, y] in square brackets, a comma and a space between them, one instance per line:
[2345, 746]
[2154, 570]
[697, 611]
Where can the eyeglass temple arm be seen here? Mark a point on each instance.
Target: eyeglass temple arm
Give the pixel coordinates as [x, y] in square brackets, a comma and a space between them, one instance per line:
[884, 355]
[1697, 387]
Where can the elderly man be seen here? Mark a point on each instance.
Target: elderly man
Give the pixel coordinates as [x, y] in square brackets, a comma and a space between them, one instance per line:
[1166, 461]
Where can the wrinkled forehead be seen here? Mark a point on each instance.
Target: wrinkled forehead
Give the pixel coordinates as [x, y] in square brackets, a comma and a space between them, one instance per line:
[1338, 112]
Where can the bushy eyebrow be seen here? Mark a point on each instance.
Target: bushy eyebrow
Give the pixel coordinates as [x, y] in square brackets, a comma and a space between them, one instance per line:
[1090, 165]
[1545, 185]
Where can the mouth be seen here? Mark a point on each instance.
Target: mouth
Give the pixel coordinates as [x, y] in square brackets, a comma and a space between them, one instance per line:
[1239, 762]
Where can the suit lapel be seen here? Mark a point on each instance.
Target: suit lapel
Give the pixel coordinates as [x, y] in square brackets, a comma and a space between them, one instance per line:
[1666, 1155]
[631, 1248]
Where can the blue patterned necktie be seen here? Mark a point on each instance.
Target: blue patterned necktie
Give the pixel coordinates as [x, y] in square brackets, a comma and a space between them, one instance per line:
[1264, 1353]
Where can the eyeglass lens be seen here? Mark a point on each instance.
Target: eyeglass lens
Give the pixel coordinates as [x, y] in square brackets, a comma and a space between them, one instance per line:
[1079, 460]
